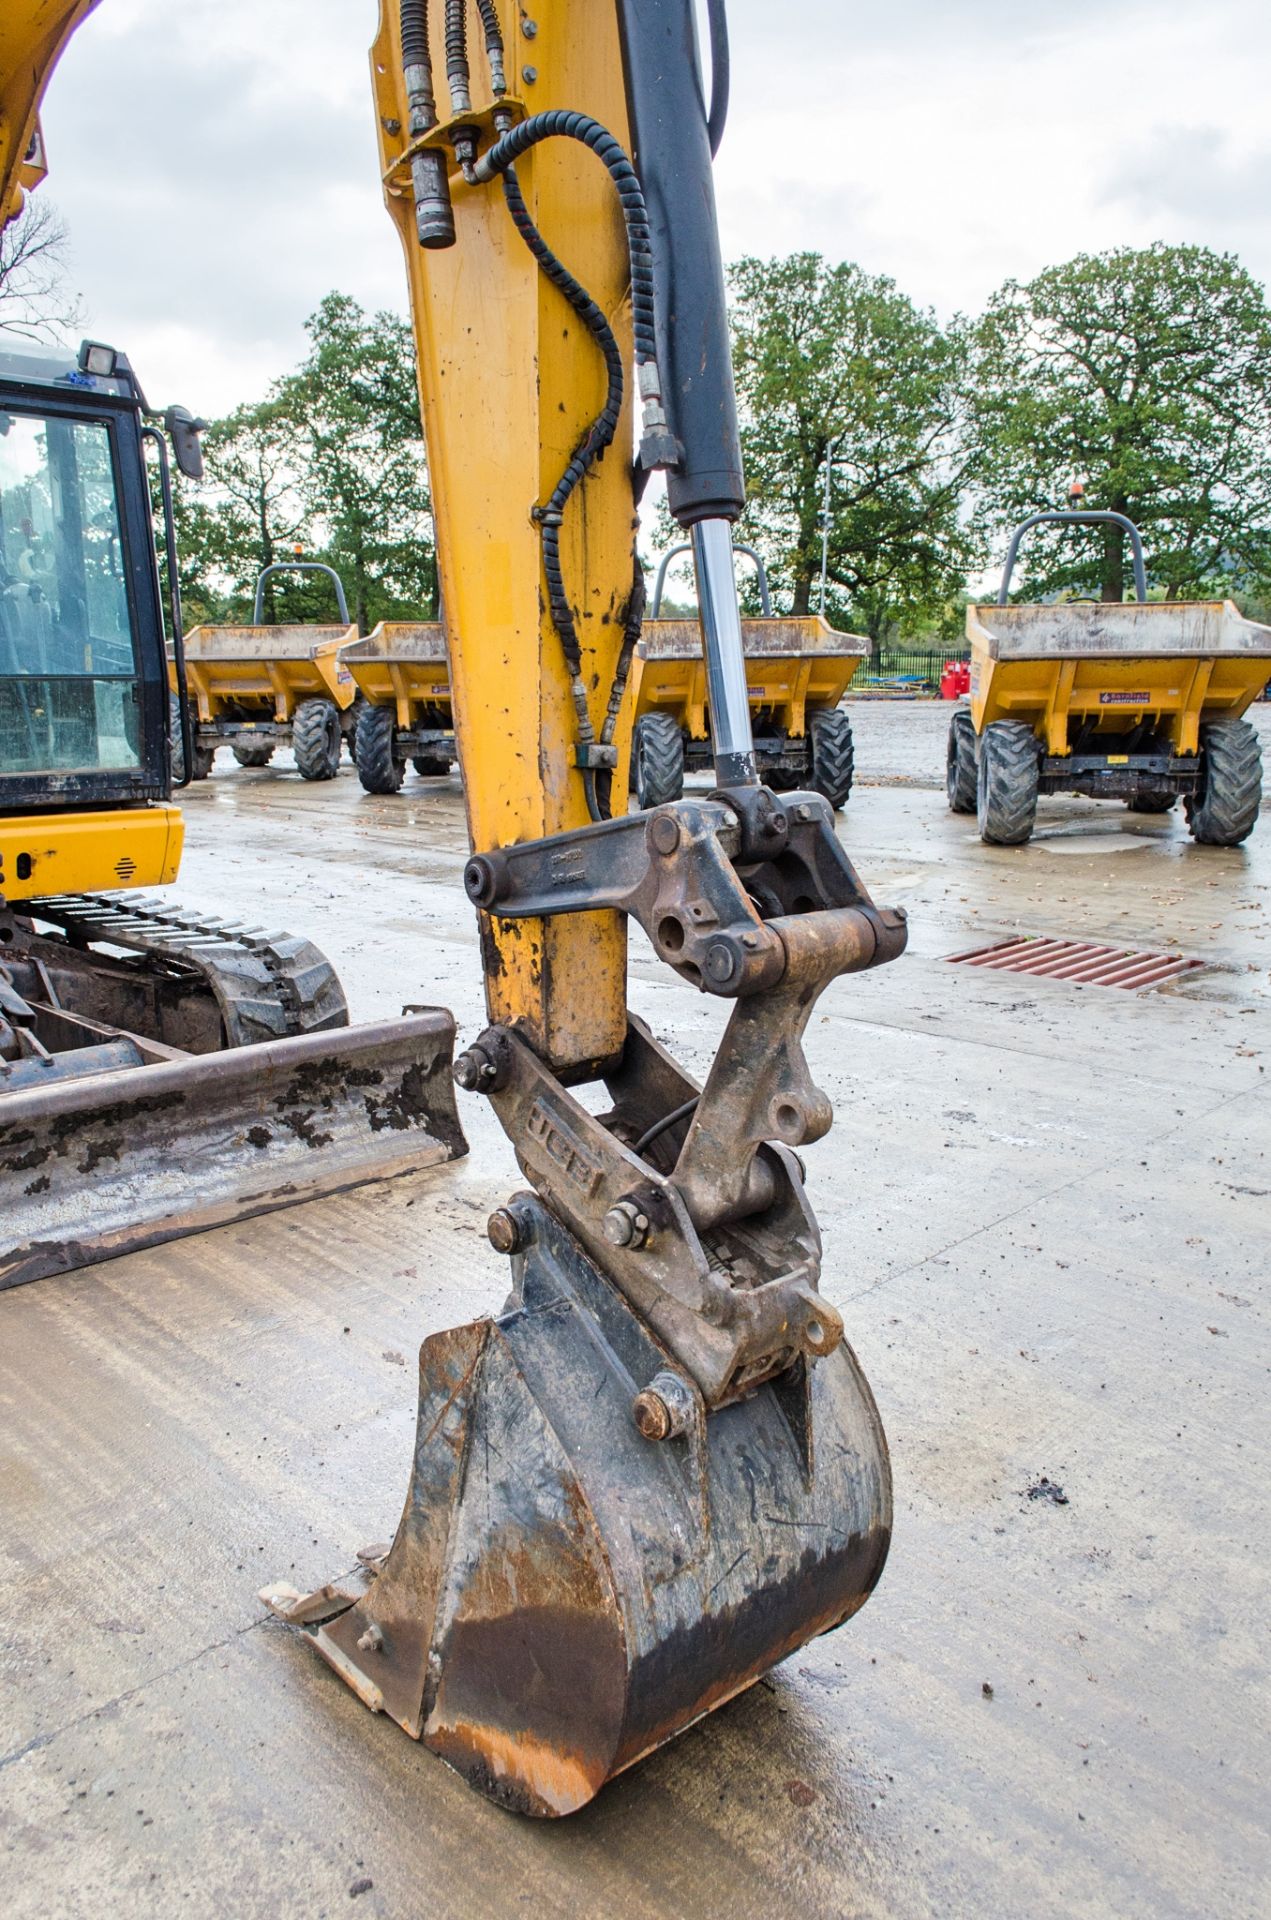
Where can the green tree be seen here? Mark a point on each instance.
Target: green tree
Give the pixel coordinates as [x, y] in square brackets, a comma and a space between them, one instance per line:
[329, 466]
[1148, 374]
[364, 473]
[837, 366]
[248, 512]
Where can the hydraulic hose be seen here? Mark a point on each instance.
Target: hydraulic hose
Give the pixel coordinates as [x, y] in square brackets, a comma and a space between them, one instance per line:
[457, 76]
[493, 47]
[657, 446]
[434, 220]
[563, 124]
[598, 436]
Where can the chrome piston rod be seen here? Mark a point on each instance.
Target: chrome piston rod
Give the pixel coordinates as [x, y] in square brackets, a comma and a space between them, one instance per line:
[720, 617]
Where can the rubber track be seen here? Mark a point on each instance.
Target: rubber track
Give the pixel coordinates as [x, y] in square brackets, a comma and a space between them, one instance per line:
[1232, 764]
[269, 986]
[832, 754]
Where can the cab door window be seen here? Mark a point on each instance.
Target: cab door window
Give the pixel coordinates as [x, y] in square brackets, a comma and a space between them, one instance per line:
[69, 687]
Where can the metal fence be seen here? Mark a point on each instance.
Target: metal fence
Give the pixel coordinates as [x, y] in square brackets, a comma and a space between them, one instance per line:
[905, 670]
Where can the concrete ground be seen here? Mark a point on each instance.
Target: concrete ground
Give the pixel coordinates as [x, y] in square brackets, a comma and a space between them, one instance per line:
[1046, 1215]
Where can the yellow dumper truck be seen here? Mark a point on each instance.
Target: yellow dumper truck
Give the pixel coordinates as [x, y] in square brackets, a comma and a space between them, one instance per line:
[1139, 701]
[797, 671]
[255, 689]
[403, 675]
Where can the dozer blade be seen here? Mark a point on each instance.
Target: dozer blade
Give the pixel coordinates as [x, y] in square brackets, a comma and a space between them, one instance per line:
[99, 1166]
[564, 1595]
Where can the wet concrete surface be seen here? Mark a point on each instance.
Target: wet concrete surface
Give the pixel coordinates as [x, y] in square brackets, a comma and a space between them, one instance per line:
[1047, 1211]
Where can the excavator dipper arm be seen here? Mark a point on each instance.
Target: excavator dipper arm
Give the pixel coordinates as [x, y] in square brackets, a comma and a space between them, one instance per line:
[659, 1469]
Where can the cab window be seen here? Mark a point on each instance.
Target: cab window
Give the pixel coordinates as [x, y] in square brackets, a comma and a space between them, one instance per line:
[69, 688]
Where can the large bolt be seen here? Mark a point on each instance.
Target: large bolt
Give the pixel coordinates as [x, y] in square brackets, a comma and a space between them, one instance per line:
[475, 1071]
[665, 1408]
[372, 1641]
[721, 961]
[664, 832]
[626, 1225]
[468, 1069]
[480, 881]
[652, 1415]
[504, 1231]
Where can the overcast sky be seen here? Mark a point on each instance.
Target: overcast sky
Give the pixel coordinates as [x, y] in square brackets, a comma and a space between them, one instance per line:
[215, 159]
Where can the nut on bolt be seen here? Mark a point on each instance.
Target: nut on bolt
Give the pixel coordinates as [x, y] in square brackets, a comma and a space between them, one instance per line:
[503, 1231]
[664, 1409]
[626, 1225]
[474, 1070]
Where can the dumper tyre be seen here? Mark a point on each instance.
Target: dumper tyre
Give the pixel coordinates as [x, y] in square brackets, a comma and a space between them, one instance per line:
[961, 774]
[431, 766]
[1152, 802]
[658, 761]
[255, 756]
[203, 756]
[1223, 812]
[379, 767]
[316, 739]
[1009, 777]
[831, 755]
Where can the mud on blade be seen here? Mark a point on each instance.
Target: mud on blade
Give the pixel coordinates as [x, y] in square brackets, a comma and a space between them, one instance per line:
[101, 1165]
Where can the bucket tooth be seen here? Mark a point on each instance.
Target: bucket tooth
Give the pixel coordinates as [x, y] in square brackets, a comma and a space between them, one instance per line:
[563, 1595]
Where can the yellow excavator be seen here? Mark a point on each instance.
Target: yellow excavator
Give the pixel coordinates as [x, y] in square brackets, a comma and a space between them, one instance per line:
[659, 1469]
[130, 1027]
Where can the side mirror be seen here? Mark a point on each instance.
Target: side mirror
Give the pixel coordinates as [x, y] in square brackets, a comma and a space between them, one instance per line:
[183, 431]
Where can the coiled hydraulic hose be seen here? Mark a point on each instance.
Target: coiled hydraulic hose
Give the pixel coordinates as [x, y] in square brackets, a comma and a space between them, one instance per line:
[414, 21]
[434, 220]
[561, 124]
[500, 160]
[493, 47]
[598, 436]
[457, 77]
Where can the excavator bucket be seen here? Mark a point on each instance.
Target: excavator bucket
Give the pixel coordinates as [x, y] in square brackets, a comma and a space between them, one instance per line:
[118, 1159]
[564, 1594]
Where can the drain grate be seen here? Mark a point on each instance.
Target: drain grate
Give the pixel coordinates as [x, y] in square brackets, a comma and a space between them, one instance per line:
[1080, 962]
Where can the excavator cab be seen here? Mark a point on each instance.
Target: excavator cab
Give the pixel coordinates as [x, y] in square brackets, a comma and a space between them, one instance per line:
[127, 1025]
[83, 678]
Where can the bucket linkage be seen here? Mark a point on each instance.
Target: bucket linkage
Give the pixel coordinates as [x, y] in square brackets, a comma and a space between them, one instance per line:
[660, 1469]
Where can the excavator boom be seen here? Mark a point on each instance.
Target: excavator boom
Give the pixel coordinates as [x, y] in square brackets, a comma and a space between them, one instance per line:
[33, 34]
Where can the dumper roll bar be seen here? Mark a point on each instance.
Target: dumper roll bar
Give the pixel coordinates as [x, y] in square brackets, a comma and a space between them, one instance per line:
[1093, 514]
[765, 598]
[299, 566]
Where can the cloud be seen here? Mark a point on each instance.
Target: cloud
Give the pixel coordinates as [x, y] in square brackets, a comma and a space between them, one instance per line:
[1196, 178]
[215, 159]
